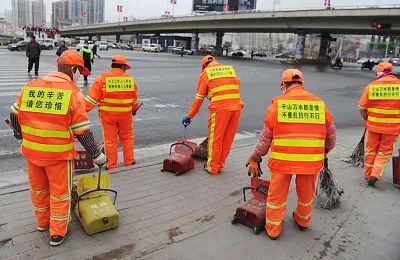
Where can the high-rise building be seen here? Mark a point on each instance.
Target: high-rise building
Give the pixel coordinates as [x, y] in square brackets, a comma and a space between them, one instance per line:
[87, 11]
[20, 13]
[60, 13]
[96, 11]
[28, 13]
[38, 13]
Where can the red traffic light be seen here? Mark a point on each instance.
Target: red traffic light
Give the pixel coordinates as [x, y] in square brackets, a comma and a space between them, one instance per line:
[378, 25]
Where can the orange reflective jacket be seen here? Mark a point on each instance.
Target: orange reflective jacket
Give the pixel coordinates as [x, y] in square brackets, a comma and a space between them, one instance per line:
[299, 122]
[221, 86]
[113, 91]
[381, 99]
[50, 110]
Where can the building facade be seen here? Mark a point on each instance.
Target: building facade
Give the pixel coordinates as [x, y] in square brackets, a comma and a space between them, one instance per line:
[87, 11]
[38, 13]
[28, 13]
[60, 14]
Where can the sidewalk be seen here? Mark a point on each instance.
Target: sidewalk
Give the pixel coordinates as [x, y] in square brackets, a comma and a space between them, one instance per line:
[188, 217]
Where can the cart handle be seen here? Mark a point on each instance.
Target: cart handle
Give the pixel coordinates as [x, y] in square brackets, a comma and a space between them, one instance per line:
[179, 143]
[252, 188]
[91, 191]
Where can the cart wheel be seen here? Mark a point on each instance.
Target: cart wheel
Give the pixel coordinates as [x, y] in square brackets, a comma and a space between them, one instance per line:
[257, 230]
[235, 220]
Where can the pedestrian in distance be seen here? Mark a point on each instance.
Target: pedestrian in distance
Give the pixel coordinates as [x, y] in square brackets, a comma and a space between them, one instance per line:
[87, 56]
[116, 95]
[182, 51]
[94, 49]
[380, 108]
[221, 86]
[61, 48]
[48, 113]
[299, 131]
[33, 54]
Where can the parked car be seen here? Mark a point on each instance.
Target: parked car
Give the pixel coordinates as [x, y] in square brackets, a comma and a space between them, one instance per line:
[151, 48]
[102, 45]
[112, 45]
[178, 50]
[125, 46]
[282, 55]
[260, 54]
[396, 61]
[18, 46]
[47, 44]
[238, 53]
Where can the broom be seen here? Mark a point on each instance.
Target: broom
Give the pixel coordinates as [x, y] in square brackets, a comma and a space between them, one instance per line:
[357, 157]
[201, 151]
[328, 191]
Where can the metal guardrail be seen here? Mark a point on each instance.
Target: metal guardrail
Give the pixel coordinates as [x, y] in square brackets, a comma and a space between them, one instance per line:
[356, 7]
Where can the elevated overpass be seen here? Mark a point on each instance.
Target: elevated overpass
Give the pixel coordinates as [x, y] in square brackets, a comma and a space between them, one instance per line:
[360, 21]
[343, 21]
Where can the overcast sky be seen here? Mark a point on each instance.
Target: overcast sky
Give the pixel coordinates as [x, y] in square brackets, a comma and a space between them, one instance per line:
[154, 8]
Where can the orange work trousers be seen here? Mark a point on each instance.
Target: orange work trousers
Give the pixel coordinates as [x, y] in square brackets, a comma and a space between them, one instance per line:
[50, 186]
[222, 127]
[117, 125]
[277, 196]
[378, 149]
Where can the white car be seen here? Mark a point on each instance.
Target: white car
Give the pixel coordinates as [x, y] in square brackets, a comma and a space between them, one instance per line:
[103, 45]
[47, 44]
[151, 48]
[362, 60]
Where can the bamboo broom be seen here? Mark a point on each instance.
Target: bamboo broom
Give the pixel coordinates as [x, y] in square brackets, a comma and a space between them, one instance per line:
[328, 190]
[357, 157]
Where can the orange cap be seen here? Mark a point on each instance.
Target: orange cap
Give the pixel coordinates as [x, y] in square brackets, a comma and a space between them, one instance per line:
[207, 59]
[70, 57]
[120, 59]
[384, 67]
[292, 75]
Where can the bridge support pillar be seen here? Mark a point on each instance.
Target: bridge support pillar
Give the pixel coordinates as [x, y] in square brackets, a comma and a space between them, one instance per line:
[324, 46]
[118, 38]
[218, 44]
[301, 42]
[195, 42]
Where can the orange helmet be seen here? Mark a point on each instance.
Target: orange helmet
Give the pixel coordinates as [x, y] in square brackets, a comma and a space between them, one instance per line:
[292, 75]
[384, 67]
[206, 60]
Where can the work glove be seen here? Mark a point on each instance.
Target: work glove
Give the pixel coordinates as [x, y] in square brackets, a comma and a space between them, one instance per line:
[254, 167]
[186, 121]
[100, 160]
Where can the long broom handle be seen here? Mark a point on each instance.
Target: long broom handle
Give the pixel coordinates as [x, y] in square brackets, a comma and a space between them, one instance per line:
[8, 122]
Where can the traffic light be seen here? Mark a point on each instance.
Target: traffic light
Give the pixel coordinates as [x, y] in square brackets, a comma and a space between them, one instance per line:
[382, 26]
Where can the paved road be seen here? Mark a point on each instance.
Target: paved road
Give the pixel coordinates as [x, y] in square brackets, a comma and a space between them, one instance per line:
[166, 87]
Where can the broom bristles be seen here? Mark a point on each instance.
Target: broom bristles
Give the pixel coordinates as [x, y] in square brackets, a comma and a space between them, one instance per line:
[201, 151]
[328, 192]
[357, 157]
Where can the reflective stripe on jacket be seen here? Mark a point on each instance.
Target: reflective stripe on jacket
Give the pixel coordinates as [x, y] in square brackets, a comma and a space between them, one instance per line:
[113, 91]
[381, 99]
[50, 111]
[299, 123]
[221, 85]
